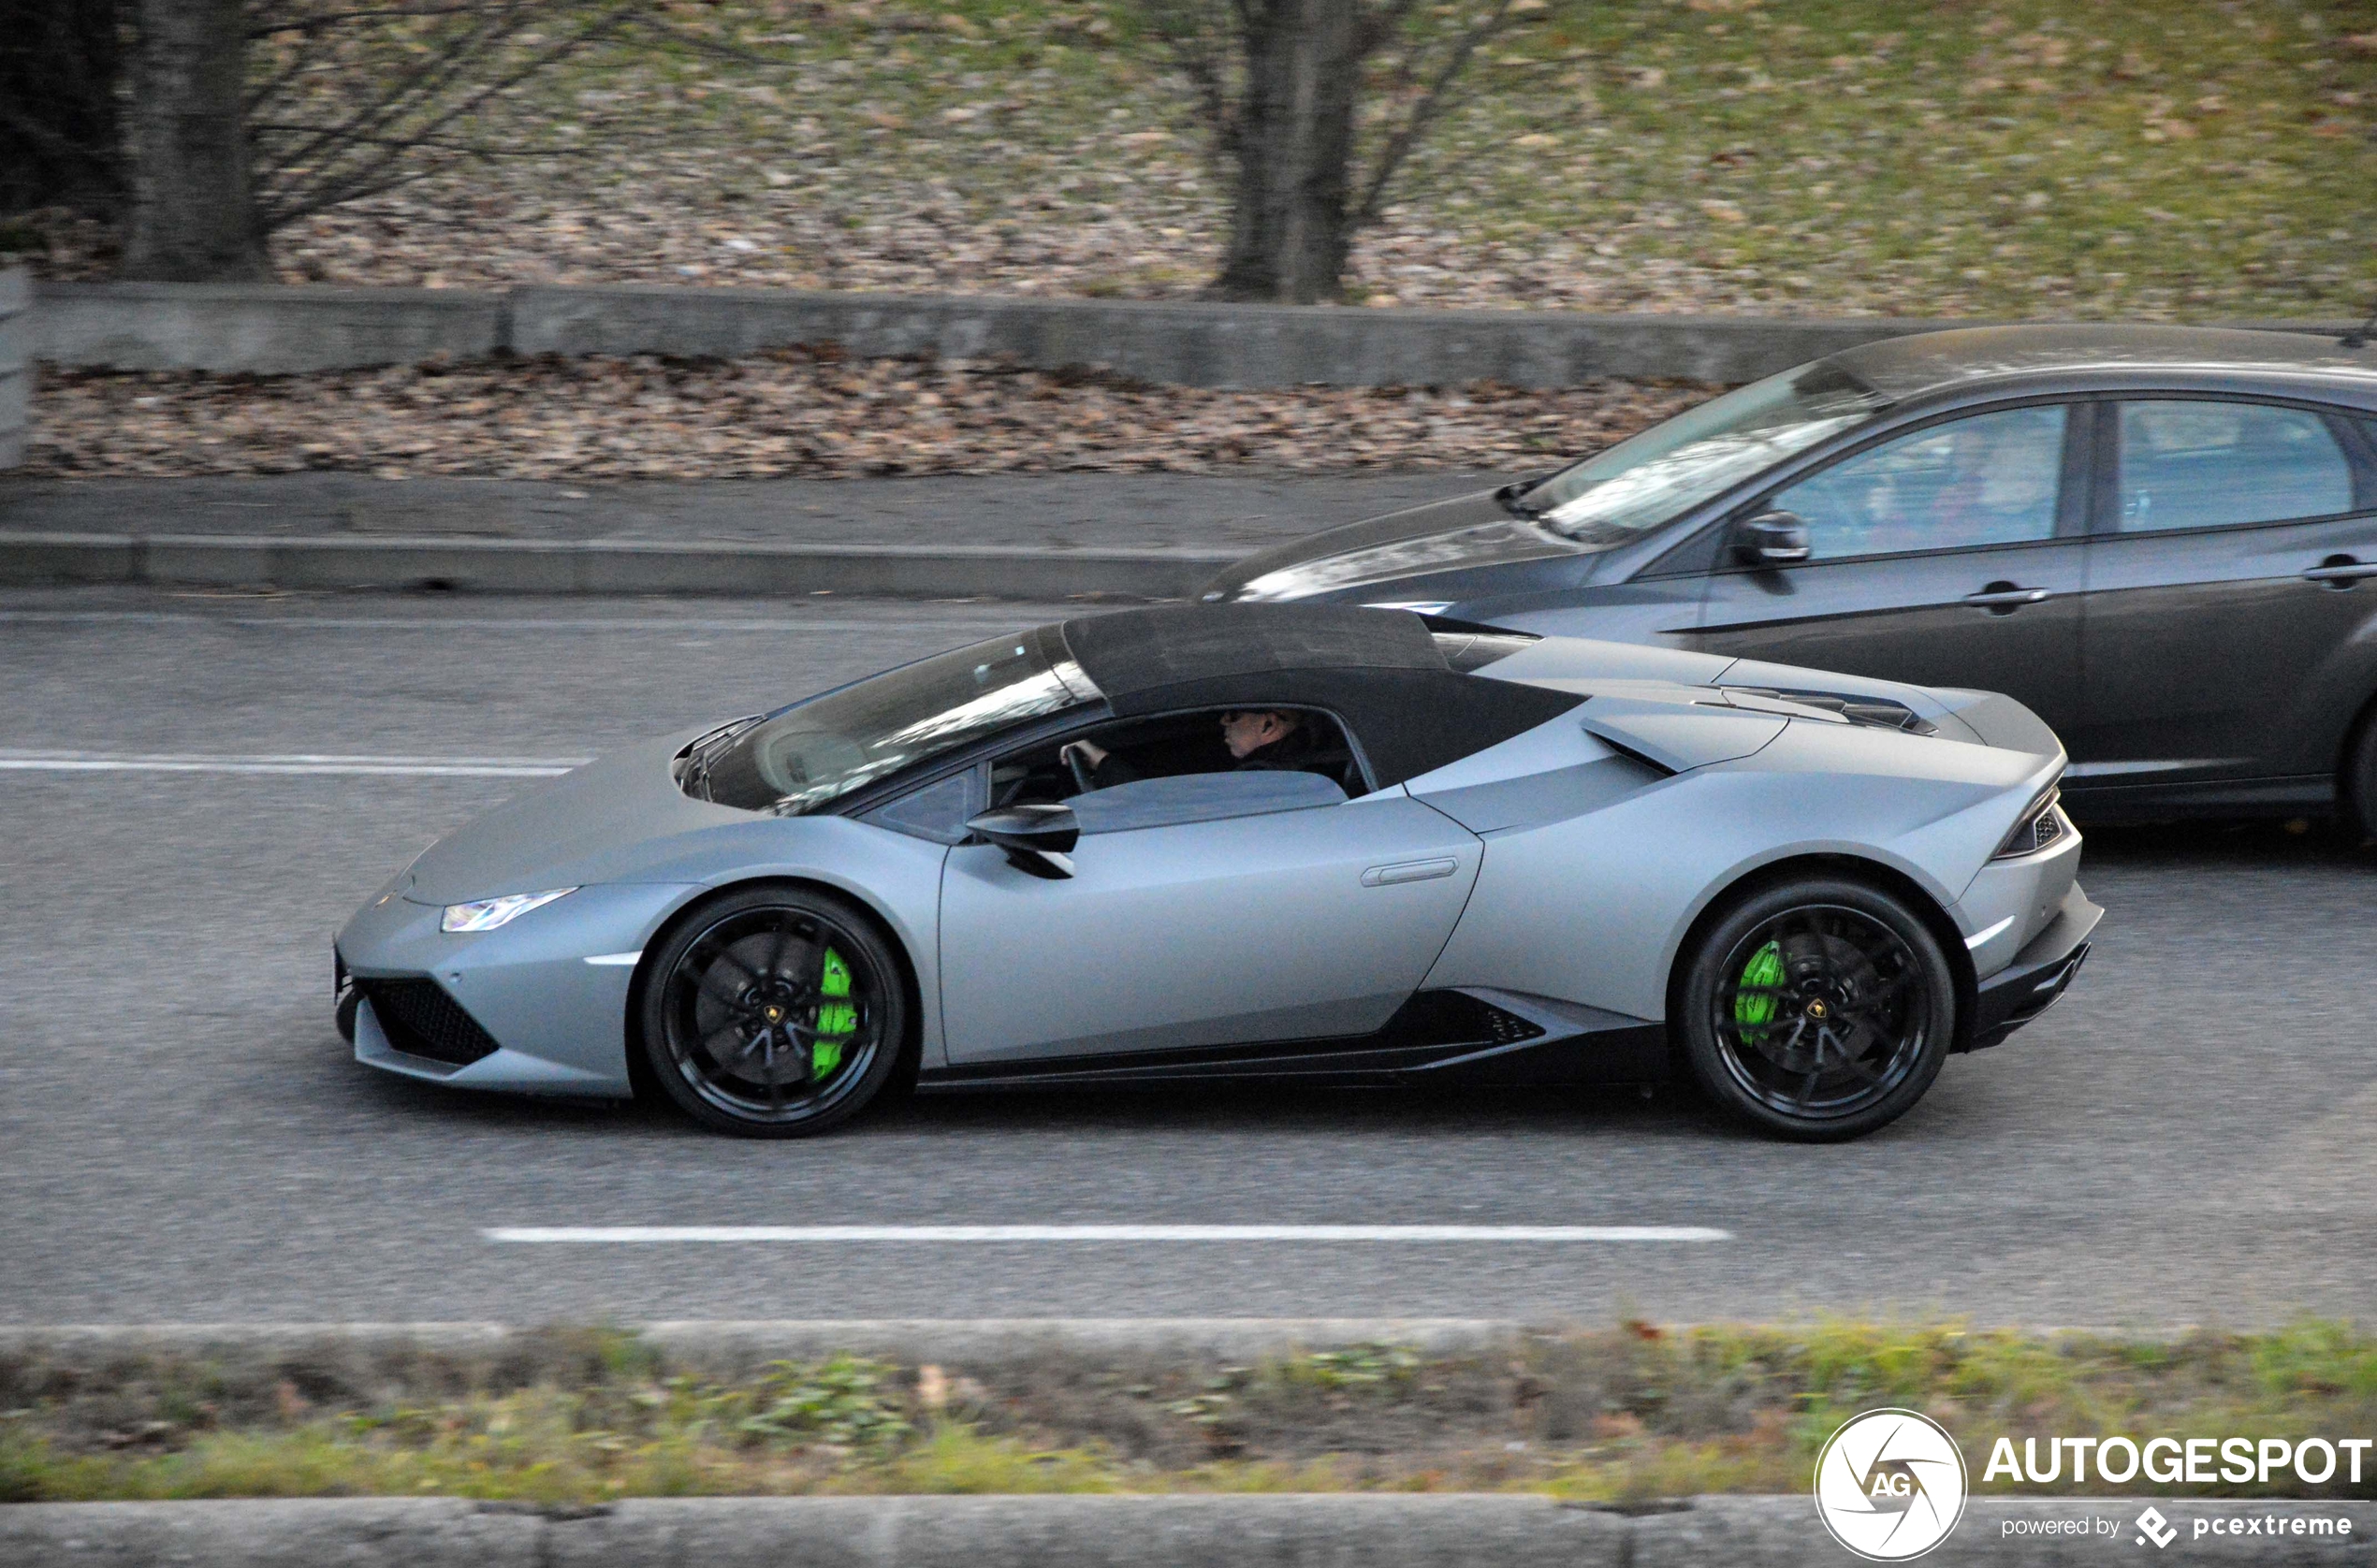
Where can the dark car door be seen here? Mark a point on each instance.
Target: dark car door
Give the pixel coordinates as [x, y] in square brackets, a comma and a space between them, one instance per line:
[2228, 642]
[1950, 554]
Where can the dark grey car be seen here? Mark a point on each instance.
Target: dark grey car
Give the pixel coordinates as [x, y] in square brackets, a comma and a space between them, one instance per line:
[2155, 538]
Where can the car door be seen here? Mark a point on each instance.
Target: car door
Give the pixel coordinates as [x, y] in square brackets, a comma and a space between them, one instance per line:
[1950, 554]
[2226, 594]
[1233, 929]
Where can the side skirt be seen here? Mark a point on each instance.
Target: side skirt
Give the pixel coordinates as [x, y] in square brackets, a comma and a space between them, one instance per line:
[1475, 1035]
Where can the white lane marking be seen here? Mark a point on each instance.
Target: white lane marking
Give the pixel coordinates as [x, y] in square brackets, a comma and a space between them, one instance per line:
[617, 1233]
[1975, 941]
[619, 960]
[294, 762]
[995, 617]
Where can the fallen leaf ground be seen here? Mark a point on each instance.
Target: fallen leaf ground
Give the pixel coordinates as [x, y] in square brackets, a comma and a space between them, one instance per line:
[2184, 159]
[794, 414]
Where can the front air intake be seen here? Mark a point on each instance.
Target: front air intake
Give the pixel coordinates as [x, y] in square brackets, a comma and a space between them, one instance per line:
[421, 1020]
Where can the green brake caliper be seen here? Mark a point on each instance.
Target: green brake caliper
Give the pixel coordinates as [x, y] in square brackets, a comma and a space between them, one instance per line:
[1753, 1010]
[836, 1016]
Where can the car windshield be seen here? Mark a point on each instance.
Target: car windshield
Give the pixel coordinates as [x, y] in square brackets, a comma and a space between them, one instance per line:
[1665, 470]
[807, 756]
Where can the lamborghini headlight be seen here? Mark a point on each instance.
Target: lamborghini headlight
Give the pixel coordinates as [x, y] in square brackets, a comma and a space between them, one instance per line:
[485, 914]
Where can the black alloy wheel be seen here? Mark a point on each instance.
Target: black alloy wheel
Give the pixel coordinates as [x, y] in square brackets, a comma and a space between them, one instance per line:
[774, 1012]
[1818, 1009]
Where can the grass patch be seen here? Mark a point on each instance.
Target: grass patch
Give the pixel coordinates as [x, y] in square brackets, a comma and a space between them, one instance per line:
[1619, 1417]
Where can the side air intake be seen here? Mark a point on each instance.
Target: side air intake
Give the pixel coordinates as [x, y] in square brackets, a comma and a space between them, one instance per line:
[421, 1020]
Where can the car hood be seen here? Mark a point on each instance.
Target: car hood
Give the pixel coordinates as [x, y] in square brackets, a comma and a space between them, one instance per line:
[599, 824]
[1447, 536]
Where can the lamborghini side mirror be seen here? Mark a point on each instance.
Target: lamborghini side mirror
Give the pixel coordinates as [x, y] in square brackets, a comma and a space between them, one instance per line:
[1770, 539]
[1037, 839]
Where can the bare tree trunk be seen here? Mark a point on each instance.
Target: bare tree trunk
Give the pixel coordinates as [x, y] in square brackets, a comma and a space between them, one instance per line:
[193, 210]
[1290, 229]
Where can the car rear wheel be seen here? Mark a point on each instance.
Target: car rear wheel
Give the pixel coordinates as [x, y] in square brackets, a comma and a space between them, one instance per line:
[1818, 1009]
[774, 1012]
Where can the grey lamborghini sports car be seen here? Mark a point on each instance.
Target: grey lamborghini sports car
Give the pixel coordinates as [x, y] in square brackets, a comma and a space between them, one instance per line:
[1466, 854]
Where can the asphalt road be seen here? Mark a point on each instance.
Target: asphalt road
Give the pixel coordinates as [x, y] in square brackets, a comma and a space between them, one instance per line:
[184, 1138]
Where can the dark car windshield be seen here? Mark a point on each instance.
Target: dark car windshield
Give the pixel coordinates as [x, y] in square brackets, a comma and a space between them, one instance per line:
[815, 752]
[1667, 470]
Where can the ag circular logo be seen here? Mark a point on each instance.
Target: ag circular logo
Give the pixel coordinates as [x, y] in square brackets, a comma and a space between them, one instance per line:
[1890, 1484]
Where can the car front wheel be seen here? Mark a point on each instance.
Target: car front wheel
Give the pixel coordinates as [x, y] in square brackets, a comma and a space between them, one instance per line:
[1817, 1009]
[774, 1012]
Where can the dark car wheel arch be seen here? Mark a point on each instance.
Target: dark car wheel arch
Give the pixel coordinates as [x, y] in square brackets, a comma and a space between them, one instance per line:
[2356, 774]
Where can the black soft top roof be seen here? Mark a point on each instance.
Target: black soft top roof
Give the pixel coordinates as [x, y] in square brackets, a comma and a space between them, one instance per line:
[1136, 650]
[1380, 669]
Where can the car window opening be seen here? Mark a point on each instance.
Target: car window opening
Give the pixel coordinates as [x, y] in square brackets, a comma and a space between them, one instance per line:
[1171, 745]
[1967, 484]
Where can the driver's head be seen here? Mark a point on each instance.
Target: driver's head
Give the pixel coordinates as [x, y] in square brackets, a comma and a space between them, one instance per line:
[1248, 731]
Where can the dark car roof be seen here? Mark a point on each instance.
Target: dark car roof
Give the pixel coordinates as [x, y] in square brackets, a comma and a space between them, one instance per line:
[1901, 368]
[1380, 670]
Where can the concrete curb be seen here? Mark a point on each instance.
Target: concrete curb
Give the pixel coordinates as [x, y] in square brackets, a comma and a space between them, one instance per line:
[1290, 1531]
[970, 1342]
[274, 329]
[609, 566]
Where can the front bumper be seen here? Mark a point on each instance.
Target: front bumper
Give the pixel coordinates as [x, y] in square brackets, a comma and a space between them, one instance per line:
[557, 1023]
[2038, 976]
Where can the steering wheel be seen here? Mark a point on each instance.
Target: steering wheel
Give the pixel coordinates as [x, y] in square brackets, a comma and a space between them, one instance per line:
[1080, 769]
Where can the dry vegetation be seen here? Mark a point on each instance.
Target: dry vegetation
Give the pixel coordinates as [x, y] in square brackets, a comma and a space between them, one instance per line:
[1620, 1416]
[2185, 159]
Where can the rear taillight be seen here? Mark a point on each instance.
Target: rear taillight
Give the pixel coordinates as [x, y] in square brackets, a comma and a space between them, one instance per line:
[2043, 823]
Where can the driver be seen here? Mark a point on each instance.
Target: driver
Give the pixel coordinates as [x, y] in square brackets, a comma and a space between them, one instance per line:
[1257, 738]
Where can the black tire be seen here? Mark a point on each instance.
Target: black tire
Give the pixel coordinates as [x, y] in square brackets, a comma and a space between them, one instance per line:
[2359, 783]
[1817, 1009]
[775, 1012]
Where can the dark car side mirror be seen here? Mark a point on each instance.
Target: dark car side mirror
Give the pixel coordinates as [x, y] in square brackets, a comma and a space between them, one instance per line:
[1038, 838]
[1770, 539]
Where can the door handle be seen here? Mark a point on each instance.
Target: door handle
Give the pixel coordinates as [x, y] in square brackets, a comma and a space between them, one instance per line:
[2005, 596]
[2341, 572]
[1408, 871]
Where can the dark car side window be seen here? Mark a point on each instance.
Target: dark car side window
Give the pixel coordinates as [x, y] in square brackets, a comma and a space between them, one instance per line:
[2190, 463]
[937, 811]
[1990, 479]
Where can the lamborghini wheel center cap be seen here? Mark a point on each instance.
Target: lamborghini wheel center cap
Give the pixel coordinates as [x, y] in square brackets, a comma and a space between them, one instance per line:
[1818, 1009]
[774, 1015]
